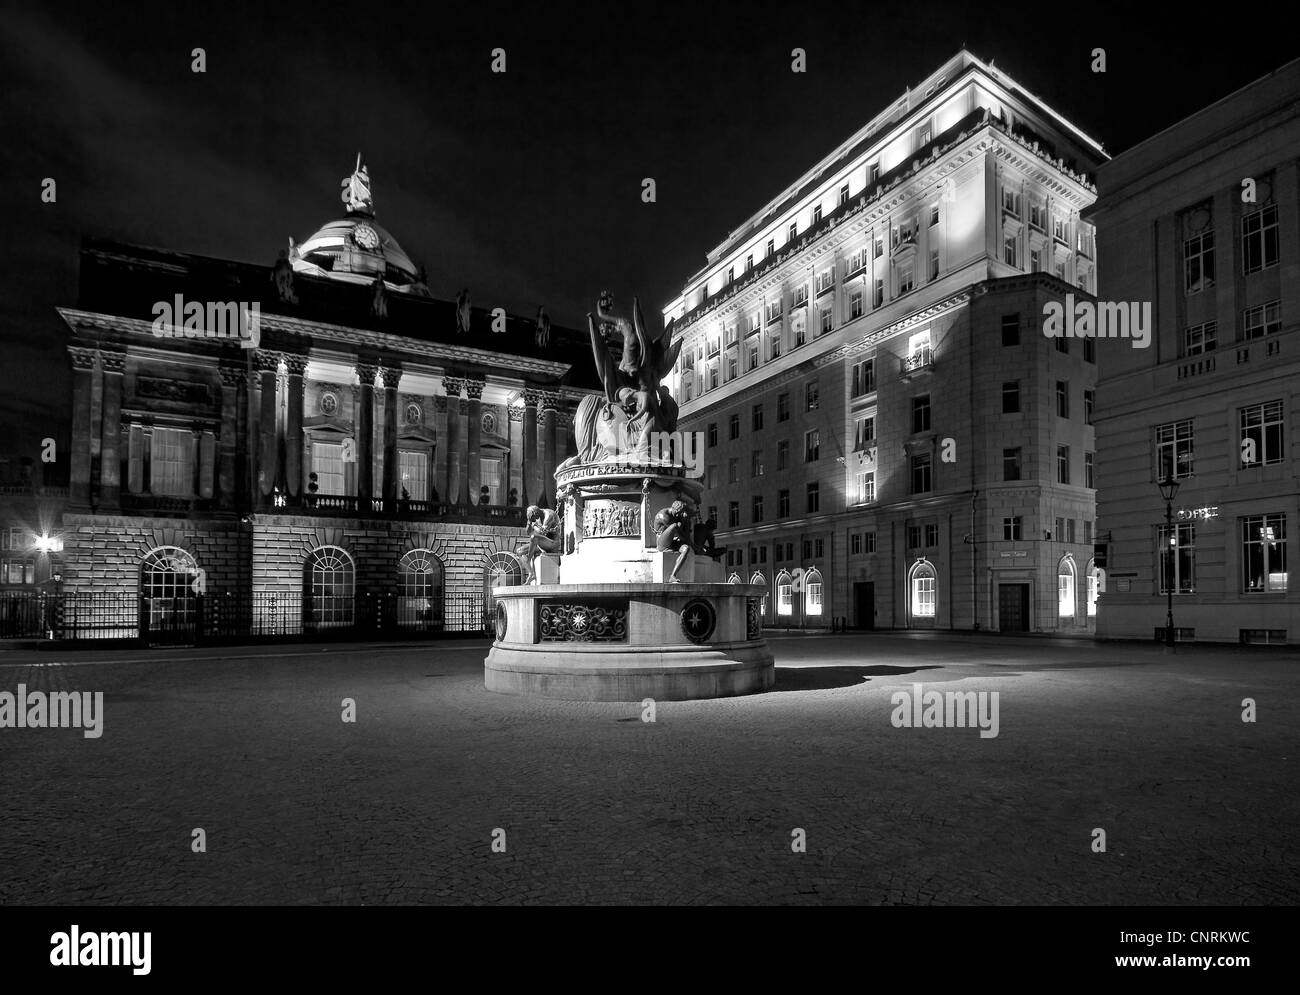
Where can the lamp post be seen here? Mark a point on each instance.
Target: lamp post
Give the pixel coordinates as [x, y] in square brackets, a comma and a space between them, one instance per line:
[1168, 488]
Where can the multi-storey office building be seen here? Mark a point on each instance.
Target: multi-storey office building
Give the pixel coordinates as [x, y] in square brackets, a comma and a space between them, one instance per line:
[891, 440]
[368, 449]
[1201, 222]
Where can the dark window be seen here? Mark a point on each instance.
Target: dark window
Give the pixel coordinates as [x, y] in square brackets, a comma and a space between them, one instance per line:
[1089, 399]
[1011, 329]
[756, 417]
[1011, 464]
[921, 414]
[814, 498]
[921, 482]
[783, 407]
[914, 537]
[757, 508]
[733, 514]
[1011, 397]
[783, 504]
[932, 535]
[713, 433]
[733, 428]
[1062, 398]
[1062, 464]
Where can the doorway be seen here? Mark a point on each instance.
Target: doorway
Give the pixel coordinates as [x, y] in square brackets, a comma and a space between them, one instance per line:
[1013, 607]
[864, 604]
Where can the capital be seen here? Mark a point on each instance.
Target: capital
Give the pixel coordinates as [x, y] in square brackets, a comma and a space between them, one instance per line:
[474, 389]
[113, 362]
[366, 374]
[82, 359]
[391, 377]
[452, 386]
[296, 364]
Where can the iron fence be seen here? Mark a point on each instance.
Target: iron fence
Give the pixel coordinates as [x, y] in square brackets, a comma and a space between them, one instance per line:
[230, 616]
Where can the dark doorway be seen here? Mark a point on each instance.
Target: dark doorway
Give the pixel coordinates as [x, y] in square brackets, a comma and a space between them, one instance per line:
[1013, 607]
[864, 604]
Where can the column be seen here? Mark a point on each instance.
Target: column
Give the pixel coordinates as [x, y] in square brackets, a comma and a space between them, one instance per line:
[364, 433]
[549, 403]
[439, 469]
[231, 378]
[532, 470]
[474, 442]
[110, 450]
[516, 482]
[83, 362]
[268, 364]
[391, 377]
[455, 459]
[297, 366]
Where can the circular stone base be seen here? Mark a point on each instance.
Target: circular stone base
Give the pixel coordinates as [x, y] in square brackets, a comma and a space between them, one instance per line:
[630, 674]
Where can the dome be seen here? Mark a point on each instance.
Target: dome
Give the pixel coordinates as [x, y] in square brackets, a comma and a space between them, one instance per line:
[355, 248]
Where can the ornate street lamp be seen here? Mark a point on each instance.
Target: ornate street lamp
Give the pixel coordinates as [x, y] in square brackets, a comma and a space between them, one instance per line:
[1169, 488]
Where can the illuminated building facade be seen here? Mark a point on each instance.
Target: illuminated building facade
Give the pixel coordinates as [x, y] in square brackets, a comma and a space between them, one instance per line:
[890, 439]
[346, 452]
[1203, 222]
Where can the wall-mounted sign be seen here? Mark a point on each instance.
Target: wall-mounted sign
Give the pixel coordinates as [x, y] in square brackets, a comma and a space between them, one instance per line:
[1189, 514]
[1014, 552]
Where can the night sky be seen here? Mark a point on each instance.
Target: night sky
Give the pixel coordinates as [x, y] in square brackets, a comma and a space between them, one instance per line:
[524, 186]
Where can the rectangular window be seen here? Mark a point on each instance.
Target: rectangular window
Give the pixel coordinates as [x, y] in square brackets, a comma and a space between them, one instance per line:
[868, 542]
[1062, 344]
[1261, 434]
[934, 214]
[1011, 329]
[817, 215]
[855, 305]
[812, 444]
[801, 295]
[783, 407]
[931, 535]
[770, 248]
[756, 463]
[1090, 350]
[878, 294]
[733, 471]
[774, 344]
[756, 509]
[844, 194]
[1176, 552]
[1069, 530]
[172, 471]
[819, 549]
[1036, 215]
[1011, 397]
[813, 494]
[1011, 202]
[327, 464]
[811, 396]
[825, 279]
[749, 262]
[1010, 253]
[878, 246]
[1011, 529]
[864, 377]
[1059, 534]
[753, 356]
[1198, 262]
[826, 320]
[1259, 239]
[923, 598]
[1263, 553]
[866, 487]
[1088, 479]
[782, 454]
[1011, 464]
[785, 599]
[733, 427]
[921, 481]
[1062, 398]
[793, 232]
[864, 432]
[733, 513]
[1089, 401]
[855, 544]
[712, 434]
[914, 537]
[413, 470]
[934, 264]
[783, 503]
[1256, 322]
[1065, 594]
[873, 172]
[906, 276]
[1062, 464]
[1174, 450]
[732, 365]
[756, 417]
[1200, 338]
[921, 414]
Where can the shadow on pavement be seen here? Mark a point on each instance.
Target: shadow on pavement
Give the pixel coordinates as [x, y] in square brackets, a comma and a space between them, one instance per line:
[803, 678]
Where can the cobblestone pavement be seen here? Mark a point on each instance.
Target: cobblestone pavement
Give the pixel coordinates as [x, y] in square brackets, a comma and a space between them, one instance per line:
[697, 807]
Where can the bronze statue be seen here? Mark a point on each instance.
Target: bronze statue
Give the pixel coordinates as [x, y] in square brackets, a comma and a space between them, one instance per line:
[379, 302]
[704, 542]
[542, 333]
[673, 527]
[635, 402]
[282, 277]
[462, 311]
[543, 537]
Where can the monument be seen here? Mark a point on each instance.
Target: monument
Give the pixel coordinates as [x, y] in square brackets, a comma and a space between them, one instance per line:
[625, 598]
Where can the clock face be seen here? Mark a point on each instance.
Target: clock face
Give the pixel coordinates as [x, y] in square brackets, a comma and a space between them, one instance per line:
[365, 236]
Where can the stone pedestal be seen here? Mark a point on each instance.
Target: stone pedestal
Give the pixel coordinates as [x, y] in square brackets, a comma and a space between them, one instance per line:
[610, 627]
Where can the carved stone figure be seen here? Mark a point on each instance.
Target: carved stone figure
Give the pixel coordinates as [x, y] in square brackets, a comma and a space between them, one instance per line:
[282, 277]
[462, 311]
[379, 302]
[704, 542]
[542, 332]
[543, 527]
[356, 190]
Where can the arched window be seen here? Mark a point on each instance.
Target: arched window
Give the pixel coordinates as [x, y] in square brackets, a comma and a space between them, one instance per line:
[329, 588]
[812, 586]
[419, 584]
[500, 570]
[734, 579]
[922, 584]
[1094, 588]
[167, 576]
[784, 593]
[758, 578]
[1065, 587]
